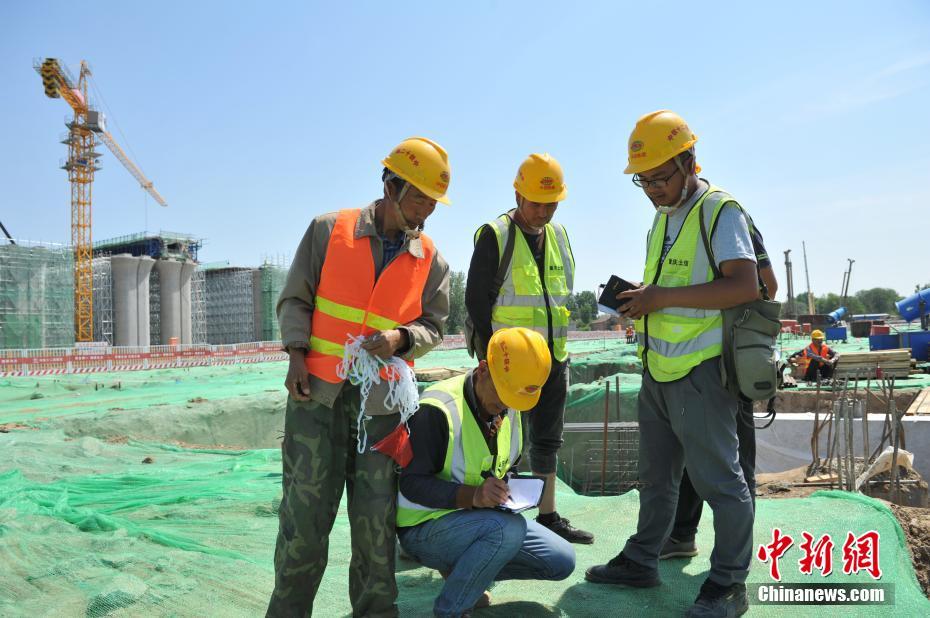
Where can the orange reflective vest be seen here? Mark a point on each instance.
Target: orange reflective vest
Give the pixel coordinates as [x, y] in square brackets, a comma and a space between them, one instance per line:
[809, 352]
[350, 301]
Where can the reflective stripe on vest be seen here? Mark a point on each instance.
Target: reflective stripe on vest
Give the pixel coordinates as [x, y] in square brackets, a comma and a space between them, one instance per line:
[350, 301]
[467, 454]
[677, 339]
[520, 301]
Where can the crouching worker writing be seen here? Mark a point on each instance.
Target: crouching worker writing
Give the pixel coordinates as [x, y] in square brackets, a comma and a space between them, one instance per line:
[466, 437]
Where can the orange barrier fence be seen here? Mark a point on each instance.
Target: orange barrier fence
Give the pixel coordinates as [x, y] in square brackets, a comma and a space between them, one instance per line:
[97, 358]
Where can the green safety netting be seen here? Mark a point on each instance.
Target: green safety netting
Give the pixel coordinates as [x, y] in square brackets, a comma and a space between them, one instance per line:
[87, 529]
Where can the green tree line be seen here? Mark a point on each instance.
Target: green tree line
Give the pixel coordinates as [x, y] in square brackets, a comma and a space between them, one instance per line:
[583, 305]
[874, 300]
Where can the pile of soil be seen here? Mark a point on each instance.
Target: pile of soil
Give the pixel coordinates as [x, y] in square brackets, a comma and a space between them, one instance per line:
[916, 524]
[915, 521]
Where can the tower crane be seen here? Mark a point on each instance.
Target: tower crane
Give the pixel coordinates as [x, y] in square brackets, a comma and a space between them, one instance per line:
[87, 126]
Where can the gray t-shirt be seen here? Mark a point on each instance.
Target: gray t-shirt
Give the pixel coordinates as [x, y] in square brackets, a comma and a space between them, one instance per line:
[730, 240]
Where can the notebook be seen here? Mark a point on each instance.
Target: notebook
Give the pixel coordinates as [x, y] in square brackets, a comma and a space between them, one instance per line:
[525, 493]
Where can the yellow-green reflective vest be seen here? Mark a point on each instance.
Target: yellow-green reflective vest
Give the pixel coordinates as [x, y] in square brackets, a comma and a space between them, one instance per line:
[674, 340]
[525, 299]
[467, 454]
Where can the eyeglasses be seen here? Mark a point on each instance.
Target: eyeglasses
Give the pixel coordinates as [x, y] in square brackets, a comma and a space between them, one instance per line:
[658, 183]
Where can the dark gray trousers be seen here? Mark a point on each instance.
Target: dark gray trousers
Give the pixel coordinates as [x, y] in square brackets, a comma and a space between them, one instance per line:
[692, 422]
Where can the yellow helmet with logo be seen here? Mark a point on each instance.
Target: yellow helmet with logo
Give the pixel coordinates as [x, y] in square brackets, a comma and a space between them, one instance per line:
[540, 179]
[519, 361]
[656, 138]
[817, 334]
[424, 164]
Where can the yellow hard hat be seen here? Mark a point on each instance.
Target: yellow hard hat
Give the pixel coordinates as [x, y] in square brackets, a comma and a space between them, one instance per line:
[540, 179]
[656, 138]
[424, 164]
[817, 334]
[519, 361]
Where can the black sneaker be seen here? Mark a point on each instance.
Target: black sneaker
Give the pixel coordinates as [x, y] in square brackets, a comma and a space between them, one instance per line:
[716, 601]
[623, 571]
[674, 548]
[566, 530]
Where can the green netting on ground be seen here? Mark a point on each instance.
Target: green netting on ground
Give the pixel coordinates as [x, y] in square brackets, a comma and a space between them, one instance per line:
[27, 400]
[30, 400]
[586, 400]
[454, 359]
[87, 529]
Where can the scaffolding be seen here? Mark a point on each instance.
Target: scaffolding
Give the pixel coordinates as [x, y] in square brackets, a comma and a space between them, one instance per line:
[103, 299]
[272, 282]
[198, 307]
[229, 305]
[36, 296]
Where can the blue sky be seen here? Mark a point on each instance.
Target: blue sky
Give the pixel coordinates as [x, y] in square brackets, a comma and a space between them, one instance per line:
[251, 118]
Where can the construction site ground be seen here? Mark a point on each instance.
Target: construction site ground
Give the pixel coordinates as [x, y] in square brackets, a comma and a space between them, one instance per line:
[156, 493]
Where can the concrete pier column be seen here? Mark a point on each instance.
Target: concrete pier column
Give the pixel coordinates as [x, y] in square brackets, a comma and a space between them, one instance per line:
[143, 319]
[125, 307]
[169, 284]
[187, 269]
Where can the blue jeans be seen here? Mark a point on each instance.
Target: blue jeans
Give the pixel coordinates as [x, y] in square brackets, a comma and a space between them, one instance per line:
[480, 546]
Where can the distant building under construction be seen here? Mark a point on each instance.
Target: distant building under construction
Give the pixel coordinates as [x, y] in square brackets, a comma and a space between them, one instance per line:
[149, 289]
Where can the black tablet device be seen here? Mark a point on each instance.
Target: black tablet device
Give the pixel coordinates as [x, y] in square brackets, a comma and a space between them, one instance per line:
[608, 302]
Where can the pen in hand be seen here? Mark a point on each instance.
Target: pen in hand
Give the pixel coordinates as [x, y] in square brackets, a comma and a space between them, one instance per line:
[493, 491]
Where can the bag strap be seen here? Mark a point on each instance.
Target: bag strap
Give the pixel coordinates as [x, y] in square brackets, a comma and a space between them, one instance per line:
[713, 261]
[506, 258]
[472, 342]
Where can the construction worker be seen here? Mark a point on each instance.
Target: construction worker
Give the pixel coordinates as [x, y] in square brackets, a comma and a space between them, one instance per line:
[369, 272]
[817, 360]
[686, 414]
[681, 543]
[521, 274]
[467, 438]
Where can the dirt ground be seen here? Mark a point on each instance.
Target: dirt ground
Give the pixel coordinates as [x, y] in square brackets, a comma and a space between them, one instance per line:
[916, 524]
[915, 521]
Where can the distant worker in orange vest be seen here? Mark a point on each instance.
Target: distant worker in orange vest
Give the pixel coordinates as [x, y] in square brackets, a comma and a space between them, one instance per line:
[816, 360]
[630, 334]
[361, 272]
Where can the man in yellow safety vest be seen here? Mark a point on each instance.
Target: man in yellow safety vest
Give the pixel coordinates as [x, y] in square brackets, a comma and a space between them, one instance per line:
[466, 439]
[521, 274]
[686, 414]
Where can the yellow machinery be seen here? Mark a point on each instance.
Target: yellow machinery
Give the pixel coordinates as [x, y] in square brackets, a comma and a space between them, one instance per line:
[81, 165]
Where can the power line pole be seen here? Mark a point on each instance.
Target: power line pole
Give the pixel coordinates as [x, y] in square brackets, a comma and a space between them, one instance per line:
[810, 296]
[789, 275]
[846, 277]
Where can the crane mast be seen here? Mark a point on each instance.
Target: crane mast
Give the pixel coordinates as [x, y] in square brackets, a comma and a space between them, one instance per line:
[83, 130]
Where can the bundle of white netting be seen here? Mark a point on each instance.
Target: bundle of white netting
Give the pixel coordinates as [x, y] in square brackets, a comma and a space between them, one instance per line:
[363, 369]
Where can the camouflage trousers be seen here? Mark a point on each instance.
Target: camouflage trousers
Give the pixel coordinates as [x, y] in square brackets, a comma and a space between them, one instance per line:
[319, 457]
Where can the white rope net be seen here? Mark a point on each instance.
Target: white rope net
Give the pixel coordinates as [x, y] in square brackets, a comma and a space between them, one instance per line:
[363, 369]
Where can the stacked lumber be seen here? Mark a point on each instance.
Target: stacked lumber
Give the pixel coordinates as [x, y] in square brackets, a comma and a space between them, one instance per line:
[894, 363]
[920, 405]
